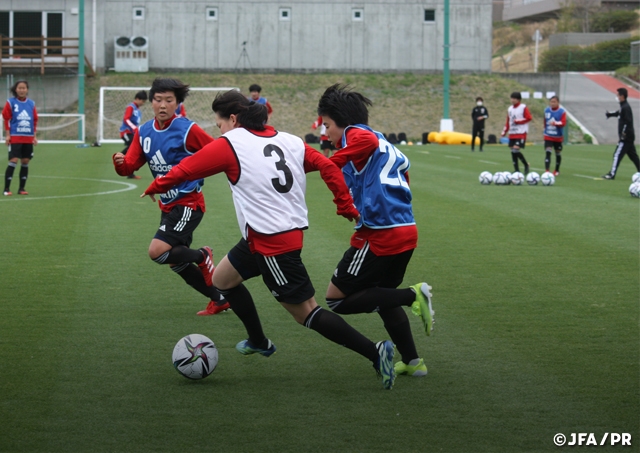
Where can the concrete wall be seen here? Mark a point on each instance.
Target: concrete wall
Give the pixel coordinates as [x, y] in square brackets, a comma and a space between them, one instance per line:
[583, 39]
[52, 94]
[320, 36]
[542, 82]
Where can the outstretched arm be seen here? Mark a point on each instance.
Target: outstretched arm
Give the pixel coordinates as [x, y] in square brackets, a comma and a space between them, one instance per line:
[332, 177]
[133, 160]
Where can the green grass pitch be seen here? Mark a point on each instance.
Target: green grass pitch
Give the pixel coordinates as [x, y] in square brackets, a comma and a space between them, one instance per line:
[536, 293]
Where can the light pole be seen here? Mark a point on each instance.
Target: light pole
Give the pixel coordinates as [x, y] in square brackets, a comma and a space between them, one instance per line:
[446, 123]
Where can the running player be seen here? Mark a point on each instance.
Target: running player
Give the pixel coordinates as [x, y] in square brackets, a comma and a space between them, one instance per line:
[555, 119]
[162, 143]
[626, 135]
[254, 91]
[131, 122]
[518, 117]
[20, 122]
[479, 114]
[367, 277]
[266, 172]
[325, 144]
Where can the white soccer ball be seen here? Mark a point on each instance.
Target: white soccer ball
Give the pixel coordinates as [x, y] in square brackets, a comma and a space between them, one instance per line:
[499, 179]
[636, 177]
[507, 177]
[634, 189]
[548, 179]
[485, 178]
[517, 178]
[195, 356]
[533, 178]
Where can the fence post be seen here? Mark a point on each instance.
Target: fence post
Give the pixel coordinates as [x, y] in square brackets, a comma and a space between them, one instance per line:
[569, 62]
[41, 55]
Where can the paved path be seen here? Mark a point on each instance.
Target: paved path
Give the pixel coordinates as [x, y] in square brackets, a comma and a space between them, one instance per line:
[588, 95]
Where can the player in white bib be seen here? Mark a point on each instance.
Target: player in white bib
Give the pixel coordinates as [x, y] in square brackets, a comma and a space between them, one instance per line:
[517, 126]
[266, 172]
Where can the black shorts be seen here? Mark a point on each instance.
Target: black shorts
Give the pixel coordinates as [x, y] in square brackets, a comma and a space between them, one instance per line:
[285, 275]
[557, 146]
[326, 144]
[361, 268]
[177, 226]
[21, 150]
[519, 142]
[128, 138]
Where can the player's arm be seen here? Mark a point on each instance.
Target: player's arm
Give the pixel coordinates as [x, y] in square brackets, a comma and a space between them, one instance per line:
[133, 160]
[527, 117]
[333, 178]
[35, 125]
[316, 123]
[505, 130]
[197, 139]
[269, 108]
[609, 114]
[563, 120]
[360, 145]
[6, 115]
[216, 157]
[128, 113]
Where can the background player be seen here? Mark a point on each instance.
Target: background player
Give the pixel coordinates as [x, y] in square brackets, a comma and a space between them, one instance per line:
[555, 119]
[130, 122]
[268, 191]
[518, 117]
[626, 135]
[20, 122]
[162, 143]
[325, 144]
[181, 110]
[254, 91]
[479, 114]
[367, 277]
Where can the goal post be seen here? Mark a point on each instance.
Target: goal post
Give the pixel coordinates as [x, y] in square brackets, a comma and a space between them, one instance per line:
[59, 128]
[114, 101]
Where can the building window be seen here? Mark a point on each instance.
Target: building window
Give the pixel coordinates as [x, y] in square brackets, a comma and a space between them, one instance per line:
[357, 14]
[285, 14]
[24, 30]
[212, 13]
[429, 16]
[138, 13]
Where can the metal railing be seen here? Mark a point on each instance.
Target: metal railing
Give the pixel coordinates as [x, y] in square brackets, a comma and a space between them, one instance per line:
[39, 52]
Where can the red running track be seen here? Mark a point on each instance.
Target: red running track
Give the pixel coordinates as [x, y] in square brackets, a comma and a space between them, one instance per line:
[612, 84]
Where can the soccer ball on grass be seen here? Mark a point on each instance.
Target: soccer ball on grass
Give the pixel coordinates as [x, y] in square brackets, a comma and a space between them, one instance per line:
[548, 179]
[485, 178]
[533, 178]
[195, 356]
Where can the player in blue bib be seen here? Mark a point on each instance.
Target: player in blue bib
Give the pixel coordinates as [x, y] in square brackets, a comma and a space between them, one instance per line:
[555, 119]
[131, 121]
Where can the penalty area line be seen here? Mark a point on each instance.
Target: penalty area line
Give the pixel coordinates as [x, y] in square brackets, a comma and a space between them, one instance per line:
[488, 162]
[453, 157]
[128, 186]
[588, 177]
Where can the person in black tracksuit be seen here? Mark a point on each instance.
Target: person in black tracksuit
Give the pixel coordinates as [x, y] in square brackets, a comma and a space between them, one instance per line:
[478, 115]
[626, 135]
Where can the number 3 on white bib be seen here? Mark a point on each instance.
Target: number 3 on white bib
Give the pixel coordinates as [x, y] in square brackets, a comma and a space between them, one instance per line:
[387, 175]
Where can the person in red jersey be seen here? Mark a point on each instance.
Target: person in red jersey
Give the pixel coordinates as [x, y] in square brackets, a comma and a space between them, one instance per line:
[181, 111]
[131, 121]
[254, 95]
[20, 123]
[366, 280]
[266, 170]
[162, 143]
[517, 126]
[325, 144]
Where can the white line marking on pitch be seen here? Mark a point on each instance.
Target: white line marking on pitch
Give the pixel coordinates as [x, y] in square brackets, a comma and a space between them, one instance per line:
[424, 152]
[584, 176]
[453, 157]
[128, 187]
[488, 162]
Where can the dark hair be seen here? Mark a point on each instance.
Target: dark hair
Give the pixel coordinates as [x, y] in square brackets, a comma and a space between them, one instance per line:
[516, 95]
[479, 99]
[255, 87]
[142, 95]
[15, 87]
[179, 89]
[250, 114]
[344, 106]
[555, 97]
[623, 92]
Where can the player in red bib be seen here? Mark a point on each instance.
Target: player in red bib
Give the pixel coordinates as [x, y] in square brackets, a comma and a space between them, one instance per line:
[367, 277]
[325, 144]
[266, 173]
[517, 126]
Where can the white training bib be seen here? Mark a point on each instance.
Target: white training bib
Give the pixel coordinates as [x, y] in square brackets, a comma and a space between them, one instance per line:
[517, 113]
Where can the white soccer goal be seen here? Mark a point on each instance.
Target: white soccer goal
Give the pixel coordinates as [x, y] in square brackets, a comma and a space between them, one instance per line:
[59, 128]
[114, 101]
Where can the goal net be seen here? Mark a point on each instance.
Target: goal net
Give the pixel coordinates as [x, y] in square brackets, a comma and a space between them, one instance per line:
[59, 128]
[114, 101]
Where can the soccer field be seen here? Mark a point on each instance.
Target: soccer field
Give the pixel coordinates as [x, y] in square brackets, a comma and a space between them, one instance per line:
[536, 293]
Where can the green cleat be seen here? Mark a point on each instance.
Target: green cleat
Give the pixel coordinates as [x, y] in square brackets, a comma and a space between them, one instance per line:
[415, 368]
[246, 348]
[422, 306]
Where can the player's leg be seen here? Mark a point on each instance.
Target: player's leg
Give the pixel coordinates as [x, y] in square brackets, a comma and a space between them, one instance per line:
[237, 266]
[170, 245]
[515, 151]
[481, 135]
[558, 150]
[27, 155]
[548, 147]
[474, 134]
[618, 154]
[520, 156]
[15, 152]
[633, 154]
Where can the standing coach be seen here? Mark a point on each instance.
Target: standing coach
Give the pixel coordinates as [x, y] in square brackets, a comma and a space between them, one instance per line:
[626, 135]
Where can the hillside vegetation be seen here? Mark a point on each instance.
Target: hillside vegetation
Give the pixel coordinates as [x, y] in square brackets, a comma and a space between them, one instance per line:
[407, 103]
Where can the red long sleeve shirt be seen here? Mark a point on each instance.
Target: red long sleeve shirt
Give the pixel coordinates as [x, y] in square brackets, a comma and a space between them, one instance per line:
[220, 157]
[383, 242]
[135, 159]
[527, 117]
[7, 114]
